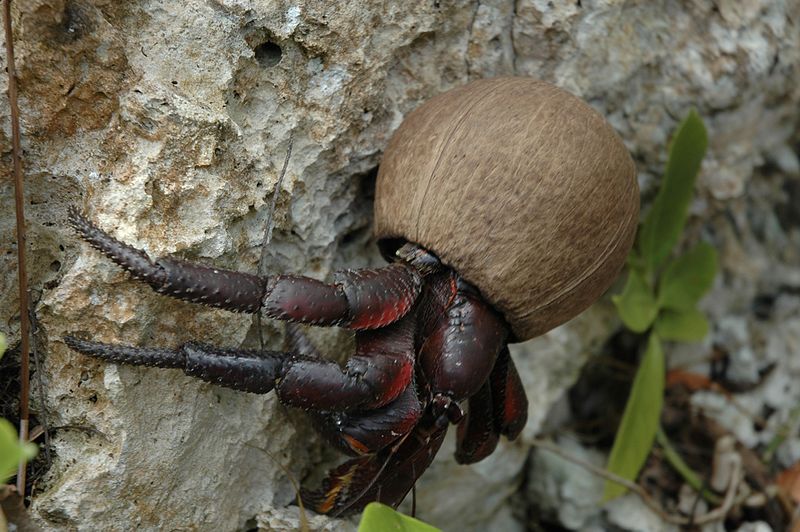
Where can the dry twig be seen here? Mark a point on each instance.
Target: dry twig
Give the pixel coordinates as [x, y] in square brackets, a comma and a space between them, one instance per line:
[262, 263]
[19, 203]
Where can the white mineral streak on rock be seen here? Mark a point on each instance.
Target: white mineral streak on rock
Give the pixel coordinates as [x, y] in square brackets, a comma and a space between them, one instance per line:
[158, 119]
[292, 20]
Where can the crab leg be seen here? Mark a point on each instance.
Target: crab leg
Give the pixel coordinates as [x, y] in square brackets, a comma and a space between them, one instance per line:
[510, 404]
[499, 407]
[376, 375]
[384, 477]
[360, 433]
[248, 371]
[358, 299]
[476, 434]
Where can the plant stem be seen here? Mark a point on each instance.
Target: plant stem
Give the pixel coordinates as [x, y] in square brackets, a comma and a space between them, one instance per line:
[717, 514]
[683, 468]
[24, 365]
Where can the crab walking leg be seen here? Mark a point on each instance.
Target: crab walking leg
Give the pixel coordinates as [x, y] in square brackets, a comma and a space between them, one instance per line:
[247, 371]
[376, 375]
[381, 368]
[361, 432]
[366, 432]
[509, 402]
[225, 289]
[358, 299]
[385, 477]
[499, 408]
[476, 436]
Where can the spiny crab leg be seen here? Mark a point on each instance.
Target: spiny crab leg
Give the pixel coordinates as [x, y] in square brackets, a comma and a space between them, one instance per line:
[376, 375]
[239, 292]
[357, 299]
[248, 371]
[355, 433]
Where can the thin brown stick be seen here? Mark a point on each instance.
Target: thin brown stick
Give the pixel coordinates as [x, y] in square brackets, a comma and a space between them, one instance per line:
[270, 225]
[714, 515]
[24, 365]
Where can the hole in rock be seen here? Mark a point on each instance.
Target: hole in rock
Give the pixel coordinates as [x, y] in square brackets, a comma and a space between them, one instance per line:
[268, 54]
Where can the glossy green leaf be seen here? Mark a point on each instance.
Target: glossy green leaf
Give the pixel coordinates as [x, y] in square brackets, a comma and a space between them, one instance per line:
[378, 517]
[663, 224]
[688, 278]
[640, 421]
[682, 325]
[636, 304]
[3, 344]
[11, 451]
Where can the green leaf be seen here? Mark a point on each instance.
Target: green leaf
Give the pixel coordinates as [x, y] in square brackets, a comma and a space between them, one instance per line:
[688, 278]
[378, 517]
[682, 325]
[663, 224]
[636, 304]
[640, 421]
[11, 451]
[3, 344]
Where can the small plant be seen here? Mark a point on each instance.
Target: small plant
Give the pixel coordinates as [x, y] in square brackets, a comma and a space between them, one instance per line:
[12, 451]
[379, 518]
[660, 298]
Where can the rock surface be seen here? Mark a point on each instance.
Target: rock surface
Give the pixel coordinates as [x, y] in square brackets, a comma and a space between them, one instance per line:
[167, 122]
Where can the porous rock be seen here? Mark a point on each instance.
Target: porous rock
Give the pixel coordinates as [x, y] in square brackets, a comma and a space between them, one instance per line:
[167, 122]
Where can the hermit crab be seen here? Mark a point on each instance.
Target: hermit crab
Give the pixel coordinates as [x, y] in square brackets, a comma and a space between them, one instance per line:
[505, 207]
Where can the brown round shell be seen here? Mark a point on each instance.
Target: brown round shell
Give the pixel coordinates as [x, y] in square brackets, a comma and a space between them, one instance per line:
[522, 188]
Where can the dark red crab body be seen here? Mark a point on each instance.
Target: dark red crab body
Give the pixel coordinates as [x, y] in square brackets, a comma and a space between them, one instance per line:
[460, 178]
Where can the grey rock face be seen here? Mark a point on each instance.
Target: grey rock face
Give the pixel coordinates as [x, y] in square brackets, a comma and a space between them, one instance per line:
[167, 122]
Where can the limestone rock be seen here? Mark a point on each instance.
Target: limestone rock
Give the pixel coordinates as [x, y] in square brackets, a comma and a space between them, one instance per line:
[167, 122]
